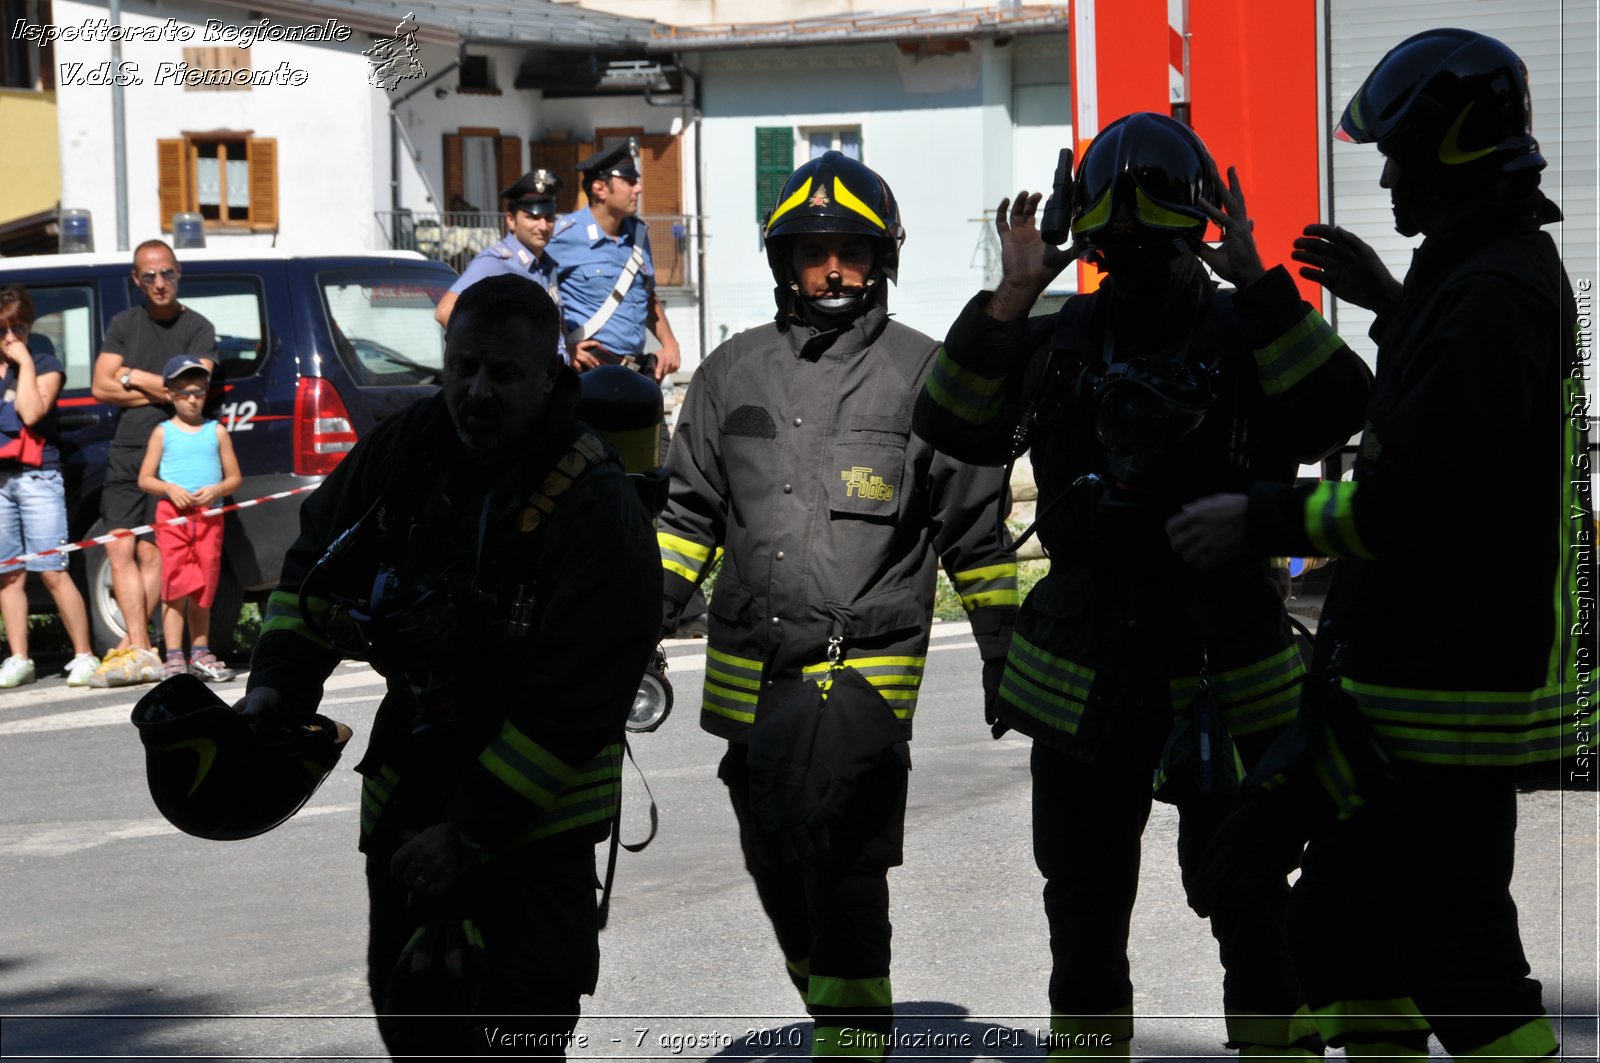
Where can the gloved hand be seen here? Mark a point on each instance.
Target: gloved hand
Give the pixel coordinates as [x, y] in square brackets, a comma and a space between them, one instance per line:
[1261, 838]
[993, 670]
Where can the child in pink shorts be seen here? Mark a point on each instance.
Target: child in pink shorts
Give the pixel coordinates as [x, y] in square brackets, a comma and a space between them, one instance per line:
[191, 467]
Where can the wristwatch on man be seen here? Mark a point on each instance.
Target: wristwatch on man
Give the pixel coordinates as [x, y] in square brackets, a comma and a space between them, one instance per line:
[127, 380]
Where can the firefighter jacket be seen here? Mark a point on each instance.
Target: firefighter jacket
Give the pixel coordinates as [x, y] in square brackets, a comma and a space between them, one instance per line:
[516, 617]
[794, 457]
[1464, 600]
[1120, 615]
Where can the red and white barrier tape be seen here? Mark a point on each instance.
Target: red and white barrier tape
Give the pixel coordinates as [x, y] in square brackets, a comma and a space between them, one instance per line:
[145, 529]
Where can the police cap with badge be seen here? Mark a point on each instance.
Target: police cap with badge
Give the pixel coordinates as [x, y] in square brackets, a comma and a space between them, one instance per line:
[617, 162]
[534, 192]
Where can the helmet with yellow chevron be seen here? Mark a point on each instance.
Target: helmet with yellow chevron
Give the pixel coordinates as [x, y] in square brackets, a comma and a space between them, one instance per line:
[1139, 187]
[213, 776]
[1447, 104]
[834, 193]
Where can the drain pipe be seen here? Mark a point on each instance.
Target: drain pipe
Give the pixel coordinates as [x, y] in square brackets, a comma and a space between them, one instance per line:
[398, 132]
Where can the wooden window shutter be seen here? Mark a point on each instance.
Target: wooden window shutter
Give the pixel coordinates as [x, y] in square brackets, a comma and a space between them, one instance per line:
[661, 165]
[560, 157]
[263, 166]
[454, 170]
[510, 162]
[172, 173]
[662, 169]
[774, 163]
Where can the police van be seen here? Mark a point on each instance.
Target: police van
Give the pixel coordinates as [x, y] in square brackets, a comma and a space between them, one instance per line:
[312, 351]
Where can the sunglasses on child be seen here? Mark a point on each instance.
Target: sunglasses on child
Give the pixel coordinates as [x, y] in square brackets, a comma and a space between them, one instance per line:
[19, 330]
[190, 393]
[148, 277]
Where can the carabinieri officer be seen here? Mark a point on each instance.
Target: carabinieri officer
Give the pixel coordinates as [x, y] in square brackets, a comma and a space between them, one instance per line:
[530, 217]
[607, 277]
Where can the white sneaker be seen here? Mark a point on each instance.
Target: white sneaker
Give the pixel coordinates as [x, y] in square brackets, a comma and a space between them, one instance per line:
[16, 671]
[80, 668]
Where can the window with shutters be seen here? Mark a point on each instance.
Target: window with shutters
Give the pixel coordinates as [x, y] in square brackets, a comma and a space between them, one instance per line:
[229, 179]
[478, 164]
[774, 163]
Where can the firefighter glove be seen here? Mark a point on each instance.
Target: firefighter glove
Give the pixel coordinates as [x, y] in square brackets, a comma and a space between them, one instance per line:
[994, 669]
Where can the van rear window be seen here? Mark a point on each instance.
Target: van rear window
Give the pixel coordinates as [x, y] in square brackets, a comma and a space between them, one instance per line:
[382, 324]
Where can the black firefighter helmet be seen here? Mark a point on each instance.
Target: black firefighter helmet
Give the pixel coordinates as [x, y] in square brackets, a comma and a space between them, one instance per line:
[214, 777]
[1139, 187]
[1447, 104]
[833, 193]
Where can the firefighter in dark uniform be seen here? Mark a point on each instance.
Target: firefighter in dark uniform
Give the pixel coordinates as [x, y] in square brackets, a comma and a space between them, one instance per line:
[794, 458]
[1446, 696]
[469, 546]
[1151, 391]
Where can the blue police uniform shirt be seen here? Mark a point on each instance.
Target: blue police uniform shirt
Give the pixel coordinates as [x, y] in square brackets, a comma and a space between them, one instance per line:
[588, 263]
[507, 255]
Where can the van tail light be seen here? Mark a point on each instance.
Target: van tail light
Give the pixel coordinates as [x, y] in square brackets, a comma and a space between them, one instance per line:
[323, 434]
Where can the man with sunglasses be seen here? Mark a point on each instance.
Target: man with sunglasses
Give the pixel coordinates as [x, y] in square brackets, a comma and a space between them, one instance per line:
[129, 374]
[605, 272]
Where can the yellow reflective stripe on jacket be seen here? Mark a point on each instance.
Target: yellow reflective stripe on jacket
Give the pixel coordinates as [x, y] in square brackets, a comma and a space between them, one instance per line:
[1476, 728]
[283, 614]
[527, 767]
[591, 797]
[731, 686]
[1051, 689]
[973, 398]
[1296, 354]
[1366, 1019]
[1331, 522]
[375, 793]
[685, 557]
[990, 585]
[1257, 696]
[896, 679]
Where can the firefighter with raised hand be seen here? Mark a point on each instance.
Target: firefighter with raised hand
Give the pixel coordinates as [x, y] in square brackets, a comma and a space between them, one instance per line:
[1155, 389]
[794, 457]
[1438, 700]
[469, 546]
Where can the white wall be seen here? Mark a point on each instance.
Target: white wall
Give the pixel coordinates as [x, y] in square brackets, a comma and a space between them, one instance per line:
[940, 130]
[325, 197]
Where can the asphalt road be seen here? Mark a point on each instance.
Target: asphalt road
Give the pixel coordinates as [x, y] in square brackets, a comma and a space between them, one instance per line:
[123, 937]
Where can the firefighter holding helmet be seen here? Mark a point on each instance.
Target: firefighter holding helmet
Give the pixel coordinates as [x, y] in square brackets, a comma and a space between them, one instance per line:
[794, 457]
[1437, 706]
[1155, 389]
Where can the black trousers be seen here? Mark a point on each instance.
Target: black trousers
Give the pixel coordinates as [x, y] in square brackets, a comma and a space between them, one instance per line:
[831, 911]
[1087, 822]
[540, 952]
[1411, 898]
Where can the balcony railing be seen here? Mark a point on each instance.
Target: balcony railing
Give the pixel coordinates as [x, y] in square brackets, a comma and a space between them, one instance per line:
[455, 236]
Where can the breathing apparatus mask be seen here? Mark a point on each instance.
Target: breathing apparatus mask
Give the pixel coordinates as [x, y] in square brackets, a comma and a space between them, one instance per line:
[1141, 415]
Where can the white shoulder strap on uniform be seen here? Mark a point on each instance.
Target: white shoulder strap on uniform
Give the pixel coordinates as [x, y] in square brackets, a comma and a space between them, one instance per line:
[613, 300]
